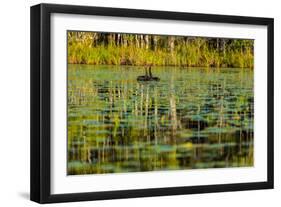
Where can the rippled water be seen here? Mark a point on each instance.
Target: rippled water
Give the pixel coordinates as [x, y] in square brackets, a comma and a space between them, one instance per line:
[192, 118]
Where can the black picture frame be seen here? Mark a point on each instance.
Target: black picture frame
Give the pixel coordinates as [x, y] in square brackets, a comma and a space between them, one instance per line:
[41, 99]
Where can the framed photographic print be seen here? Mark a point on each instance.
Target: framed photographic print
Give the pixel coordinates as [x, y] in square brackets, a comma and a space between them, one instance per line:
[132, 103]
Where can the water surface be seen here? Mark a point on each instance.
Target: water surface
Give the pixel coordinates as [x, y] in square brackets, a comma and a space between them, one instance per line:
[193, 118]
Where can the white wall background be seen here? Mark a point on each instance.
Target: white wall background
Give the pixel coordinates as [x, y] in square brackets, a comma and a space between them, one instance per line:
[14, 102]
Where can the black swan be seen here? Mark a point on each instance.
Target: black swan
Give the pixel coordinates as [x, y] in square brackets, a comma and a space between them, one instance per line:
[147, 77]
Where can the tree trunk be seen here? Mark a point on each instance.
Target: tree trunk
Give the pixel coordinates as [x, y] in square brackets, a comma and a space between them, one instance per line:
[171, 42]
[137, 41]
[141, 41]
[146, 39]
[154, 42]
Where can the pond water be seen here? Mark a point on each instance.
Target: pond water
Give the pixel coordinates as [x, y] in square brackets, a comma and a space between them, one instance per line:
[192, 118]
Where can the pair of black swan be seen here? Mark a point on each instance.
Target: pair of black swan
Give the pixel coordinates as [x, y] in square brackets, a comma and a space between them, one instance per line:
[148, 76]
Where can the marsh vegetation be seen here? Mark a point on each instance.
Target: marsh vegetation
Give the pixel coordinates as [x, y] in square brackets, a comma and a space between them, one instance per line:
[195, 111]
[140, 49]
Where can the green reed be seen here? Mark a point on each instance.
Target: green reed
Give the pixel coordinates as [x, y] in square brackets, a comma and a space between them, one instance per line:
[197, 53]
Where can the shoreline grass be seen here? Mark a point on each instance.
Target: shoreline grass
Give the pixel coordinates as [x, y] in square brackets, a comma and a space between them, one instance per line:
[195, 53]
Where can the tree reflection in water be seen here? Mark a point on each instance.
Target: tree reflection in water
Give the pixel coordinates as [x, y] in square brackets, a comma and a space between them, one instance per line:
[191, 119]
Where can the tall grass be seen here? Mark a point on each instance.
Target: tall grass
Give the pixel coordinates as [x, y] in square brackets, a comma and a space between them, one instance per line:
[195, 54]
